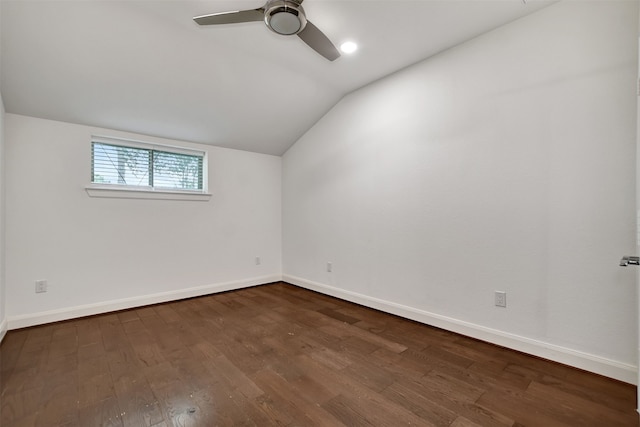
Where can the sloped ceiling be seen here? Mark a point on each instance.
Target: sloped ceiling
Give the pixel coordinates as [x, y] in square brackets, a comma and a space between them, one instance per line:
[144, 66]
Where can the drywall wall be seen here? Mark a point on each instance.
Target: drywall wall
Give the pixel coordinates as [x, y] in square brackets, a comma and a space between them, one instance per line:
[99, 254]
[637, 248]
[505, 163]
[3, 303]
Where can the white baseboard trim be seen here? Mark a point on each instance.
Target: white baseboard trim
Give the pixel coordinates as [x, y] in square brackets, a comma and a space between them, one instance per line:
[33, 319]
[589, 362]
[4, 326]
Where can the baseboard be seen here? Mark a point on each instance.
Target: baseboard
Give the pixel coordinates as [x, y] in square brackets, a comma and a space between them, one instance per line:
[33, 319]
[3, 329]
[589, 362]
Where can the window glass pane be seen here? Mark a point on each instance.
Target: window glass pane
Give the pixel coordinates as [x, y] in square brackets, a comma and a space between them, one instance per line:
[146, 167]
[112, 164]
[177, 171]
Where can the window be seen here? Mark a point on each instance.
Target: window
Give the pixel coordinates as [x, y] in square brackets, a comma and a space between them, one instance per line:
[119, 165]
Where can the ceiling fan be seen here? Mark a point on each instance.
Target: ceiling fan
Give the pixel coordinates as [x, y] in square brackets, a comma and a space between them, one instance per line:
[285, 17]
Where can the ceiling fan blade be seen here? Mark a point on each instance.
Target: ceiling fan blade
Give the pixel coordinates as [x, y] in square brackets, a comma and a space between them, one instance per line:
[317, 41]
[233, 17]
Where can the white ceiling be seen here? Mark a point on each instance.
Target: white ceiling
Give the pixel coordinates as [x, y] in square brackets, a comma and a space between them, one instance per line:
[144, 66]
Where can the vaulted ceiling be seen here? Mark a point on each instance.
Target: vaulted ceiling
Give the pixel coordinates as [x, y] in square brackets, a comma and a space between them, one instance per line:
[144, 66]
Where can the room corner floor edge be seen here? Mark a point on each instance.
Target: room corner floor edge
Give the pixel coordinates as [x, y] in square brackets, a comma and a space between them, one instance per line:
[598, 365]
[35, 319]
[580, 360]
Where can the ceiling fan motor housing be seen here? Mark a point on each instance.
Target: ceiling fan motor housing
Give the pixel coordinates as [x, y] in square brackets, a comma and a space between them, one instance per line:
[285, 17]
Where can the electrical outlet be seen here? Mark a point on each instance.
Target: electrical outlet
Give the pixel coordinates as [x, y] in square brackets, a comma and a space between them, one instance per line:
[501, 299]
[329, 267]
[258, 260]
[41, 286]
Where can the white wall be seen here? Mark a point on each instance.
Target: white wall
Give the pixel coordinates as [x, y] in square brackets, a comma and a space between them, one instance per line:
[3, 303]
[506, 163]
[3, 312]
[99, 254]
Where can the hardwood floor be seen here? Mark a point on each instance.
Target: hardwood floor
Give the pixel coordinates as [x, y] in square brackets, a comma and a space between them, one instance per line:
[281, 355]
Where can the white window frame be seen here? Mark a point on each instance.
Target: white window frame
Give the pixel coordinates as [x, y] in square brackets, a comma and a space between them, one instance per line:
[120, 191]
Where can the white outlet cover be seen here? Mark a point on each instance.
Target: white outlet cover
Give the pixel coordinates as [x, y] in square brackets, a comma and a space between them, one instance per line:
[501, 299]
[41, 286]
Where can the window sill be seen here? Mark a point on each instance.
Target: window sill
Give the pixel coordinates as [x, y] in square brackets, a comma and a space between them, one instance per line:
[137, 193]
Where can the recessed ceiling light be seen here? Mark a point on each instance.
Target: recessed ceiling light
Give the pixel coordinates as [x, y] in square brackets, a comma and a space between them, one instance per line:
[348, 47]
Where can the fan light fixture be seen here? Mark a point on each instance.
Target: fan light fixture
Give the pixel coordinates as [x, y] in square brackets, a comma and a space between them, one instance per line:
[348, 47]
[285, 18]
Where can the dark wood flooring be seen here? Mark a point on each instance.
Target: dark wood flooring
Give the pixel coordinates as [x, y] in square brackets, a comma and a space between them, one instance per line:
[280, 355]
